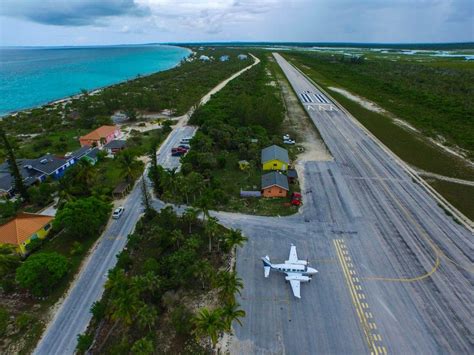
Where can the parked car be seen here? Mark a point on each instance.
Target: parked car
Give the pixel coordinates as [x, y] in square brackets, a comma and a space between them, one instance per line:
[286, 137]
[178, 151]
[296, 199]
[118, 212]
[289, 141]
[185, 146]
[186, 140]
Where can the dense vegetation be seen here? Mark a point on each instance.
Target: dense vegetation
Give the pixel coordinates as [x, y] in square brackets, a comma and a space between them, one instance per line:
[172, 266]
[235, 125]
[435, 97]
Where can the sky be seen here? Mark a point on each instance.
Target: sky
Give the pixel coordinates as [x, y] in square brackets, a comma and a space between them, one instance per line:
[98, 22]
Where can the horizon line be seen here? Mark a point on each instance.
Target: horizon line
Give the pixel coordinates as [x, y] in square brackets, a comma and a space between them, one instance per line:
[240, 42]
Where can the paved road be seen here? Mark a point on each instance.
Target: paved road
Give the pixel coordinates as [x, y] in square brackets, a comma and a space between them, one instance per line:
[395, 272]
[164, 156]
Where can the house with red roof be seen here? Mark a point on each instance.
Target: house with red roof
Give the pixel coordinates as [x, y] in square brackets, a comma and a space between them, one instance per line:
[100, 136]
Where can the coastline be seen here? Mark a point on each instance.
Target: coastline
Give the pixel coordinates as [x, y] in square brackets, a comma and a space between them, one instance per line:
[96, 90]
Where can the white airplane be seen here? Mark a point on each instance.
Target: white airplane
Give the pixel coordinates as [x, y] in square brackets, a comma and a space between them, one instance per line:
[296, 271]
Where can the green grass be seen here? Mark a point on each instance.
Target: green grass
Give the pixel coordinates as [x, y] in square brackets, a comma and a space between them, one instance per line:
[56, 142]
[231, 179]
[435, 97]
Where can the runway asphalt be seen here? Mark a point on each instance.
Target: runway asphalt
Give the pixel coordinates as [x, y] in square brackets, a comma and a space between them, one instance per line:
[395, 271]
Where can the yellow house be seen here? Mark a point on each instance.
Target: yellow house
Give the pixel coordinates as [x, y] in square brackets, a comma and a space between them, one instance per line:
[23, 229]
[275, 158]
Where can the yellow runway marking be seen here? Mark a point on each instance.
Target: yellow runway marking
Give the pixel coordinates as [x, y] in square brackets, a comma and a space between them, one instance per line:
[356, 293]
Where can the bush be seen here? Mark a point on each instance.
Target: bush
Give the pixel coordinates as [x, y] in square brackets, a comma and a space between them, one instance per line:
[83, 218]
[41, 272]
[98, 310]
[3, 320]
[41, 195]
[22, 321]
[84, 342]
[143, 346]
[181, 320]
[77, 248]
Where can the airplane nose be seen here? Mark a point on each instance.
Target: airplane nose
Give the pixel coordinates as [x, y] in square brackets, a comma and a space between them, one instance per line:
[312, 271]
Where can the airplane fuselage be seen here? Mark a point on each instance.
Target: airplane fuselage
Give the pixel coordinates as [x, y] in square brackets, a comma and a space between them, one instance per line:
[294, 268]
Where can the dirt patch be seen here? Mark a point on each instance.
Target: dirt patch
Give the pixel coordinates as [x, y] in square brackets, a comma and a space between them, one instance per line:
[369, 105]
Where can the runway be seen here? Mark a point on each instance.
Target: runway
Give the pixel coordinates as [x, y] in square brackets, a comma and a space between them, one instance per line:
[395, 271]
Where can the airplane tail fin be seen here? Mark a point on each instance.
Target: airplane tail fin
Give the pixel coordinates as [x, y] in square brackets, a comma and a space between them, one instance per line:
[266, 265]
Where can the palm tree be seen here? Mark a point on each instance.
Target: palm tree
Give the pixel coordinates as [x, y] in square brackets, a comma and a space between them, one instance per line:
[209, 323]
[172, 181]
[126, 161]
[204, 205]
[177, 237]
[125, 305]
[116, 281]
[150, 282]
[234, 238]
[87, 173]
[19, 186]
[9, 259]
[146, 317]
[228, 284]
[203, 271]
[190, 216]
[211, 229]
[231, 312]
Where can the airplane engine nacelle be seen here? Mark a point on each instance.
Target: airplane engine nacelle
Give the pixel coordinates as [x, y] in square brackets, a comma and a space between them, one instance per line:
[298, 278]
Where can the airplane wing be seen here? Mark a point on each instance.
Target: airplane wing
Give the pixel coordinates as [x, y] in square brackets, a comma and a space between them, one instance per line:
[295, 286]
[293, 256]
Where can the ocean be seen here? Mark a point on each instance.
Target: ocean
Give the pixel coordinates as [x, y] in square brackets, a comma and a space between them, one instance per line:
[31, 77]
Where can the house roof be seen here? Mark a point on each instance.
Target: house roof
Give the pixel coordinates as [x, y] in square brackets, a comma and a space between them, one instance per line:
[78, 154]
[6, 182]
[116, 144]
[22, 227]
[30, 176]
[275, 152]
[100, 132]
[93, 153]
[274, 178]
[291, 173]
[48, 163]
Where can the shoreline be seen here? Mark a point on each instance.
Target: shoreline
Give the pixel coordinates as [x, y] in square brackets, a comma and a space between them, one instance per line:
[93, 91]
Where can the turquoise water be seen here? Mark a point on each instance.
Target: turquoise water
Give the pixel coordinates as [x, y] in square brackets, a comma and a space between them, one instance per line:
[34, 76]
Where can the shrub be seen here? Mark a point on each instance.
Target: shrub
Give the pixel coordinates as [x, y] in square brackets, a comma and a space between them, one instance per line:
[82, 218]
[98, 310]
[22, 321]
[3, 320]
[41, 272]
[84, 342]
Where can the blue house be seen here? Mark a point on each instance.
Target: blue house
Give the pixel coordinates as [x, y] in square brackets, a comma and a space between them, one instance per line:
[224, 58]
[38, 170]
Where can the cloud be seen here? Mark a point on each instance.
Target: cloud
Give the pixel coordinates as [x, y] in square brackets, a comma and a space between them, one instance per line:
[209, 17]
[71, 12]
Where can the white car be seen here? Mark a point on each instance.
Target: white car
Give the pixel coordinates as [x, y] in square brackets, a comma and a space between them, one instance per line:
[286, 137]
[289, 141]
[118, 212]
